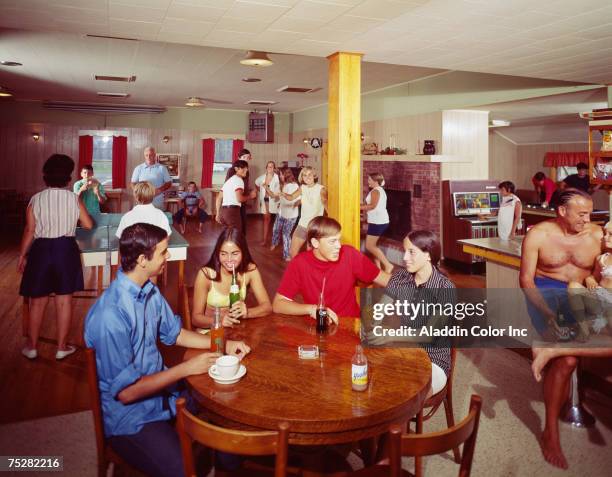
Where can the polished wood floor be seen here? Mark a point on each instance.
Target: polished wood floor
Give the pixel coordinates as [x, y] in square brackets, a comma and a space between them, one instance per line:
[46, 387]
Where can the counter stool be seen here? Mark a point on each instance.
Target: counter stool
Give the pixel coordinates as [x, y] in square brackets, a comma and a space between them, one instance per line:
[573, 412]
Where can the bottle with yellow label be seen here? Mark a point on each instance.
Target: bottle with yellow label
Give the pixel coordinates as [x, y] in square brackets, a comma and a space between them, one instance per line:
[359, 370]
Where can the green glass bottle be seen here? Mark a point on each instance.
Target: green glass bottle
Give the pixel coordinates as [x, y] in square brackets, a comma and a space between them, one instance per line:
[234, 294]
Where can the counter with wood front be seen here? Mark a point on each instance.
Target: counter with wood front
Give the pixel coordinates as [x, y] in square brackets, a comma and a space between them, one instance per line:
[503, 263]
[502, 257]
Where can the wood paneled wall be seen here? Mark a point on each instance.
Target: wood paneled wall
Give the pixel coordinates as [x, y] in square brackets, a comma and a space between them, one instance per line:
[503, 163]
[466, 134]
[23, 158]
[518, 163]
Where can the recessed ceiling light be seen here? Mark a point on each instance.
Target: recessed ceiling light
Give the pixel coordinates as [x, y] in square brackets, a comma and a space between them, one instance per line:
[102, 107]
[10, 63]
[294, 89]
[256, 58]
[113, 95]
[4, 92]
[194, 102]
[123, 79]
[261, 102]
[251, 80]
[498, 123]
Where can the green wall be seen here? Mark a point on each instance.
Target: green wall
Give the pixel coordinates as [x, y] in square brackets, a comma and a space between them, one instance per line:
[209, 120]
[452, 90]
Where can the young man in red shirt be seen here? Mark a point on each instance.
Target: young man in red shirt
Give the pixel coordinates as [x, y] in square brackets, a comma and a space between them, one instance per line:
[341, 266]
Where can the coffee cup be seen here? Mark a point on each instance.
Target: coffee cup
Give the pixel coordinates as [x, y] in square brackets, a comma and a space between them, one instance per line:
[226, 366]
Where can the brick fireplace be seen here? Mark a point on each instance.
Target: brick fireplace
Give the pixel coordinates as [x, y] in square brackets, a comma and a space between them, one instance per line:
[421, 179]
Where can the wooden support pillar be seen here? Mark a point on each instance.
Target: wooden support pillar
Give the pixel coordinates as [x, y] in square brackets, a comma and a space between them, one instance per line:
[343, 161]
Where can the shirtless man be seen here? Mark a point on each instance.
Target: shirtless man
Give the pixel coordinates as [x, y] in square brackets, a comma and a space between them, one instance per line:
[556, 252]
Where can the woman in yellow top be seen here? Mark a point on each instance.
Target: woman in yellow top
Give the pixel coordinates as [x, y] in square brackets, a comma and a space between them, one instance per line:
[212, 285]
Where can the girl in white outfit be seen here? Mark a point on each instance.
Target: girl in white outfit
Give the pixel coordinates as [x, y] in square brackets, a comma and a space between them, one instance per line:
[378, 219]
[269, 197]
[287, 216]
[314, 199]
[510, 209]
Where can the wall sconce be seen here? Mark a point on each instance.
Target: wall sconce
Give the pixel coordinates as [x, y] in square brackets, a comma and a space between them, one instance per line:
[165, 139]
[306, 140]
[35, 136]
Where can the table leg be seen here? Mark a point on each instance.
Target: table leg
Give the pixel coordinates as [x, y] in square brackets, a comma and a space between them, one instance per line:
[418, 461]
[100, 280]
[181, 278]
[25, 316]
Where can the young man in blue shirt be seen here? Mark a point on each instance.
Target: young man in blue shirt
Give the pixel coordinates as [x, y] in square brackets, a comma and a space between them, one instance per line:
[137, 391]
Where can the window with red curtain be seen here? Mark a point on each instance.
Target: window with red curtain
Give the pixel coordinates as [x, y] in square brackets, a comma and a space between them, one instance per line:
[119, 161]
[565, 159]
[208, 159]
[237, 146]
[85, 152]
[217, 157]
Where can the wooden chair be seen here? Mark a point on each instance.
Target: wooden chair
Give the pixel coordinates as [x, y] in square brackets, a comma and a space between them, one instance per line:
[190, 218]
[185, 308]
[191, 429]
[432, 403]
[430, 444]
[106, 456]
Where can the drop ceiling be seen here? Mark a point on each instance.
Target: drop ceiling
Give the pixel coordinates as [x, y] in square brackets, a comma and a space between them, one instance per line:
[550, 119]
[61, 66]
[193, 47]
[556, 39]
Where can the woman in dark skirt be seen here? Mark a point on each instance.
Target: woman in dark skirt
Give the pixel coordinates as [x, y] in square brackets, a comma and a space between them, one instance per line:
[50, 259]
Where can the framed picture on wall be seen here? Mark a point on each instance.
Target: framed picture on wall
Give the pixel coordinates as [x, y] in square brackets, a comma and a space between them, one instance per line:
[172, 163]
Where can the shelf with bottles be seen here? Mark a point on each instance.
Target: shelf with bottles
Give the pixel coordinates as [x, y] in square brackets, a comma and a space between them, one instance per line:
[600, 166]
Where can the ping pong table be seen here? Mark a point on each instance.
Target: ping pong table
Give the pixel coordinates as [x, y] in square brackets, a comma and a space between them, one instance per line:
[100, 247]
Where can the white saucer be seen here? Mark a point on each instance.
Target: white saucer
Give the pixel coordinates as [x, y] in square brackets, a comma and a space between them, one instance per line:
[231, 380]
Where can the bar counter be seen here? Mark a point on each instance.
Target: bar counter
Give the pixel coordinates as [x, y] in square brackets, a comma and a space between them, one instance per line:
[536, 214]
[503, 259]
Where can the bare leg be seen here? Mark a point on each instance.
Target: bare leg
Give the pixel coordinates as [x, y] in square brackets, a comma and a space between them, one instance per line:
[266, 227]
[37, 312]
[63, 306]
[556, 390]
[296, 245]
[371, 241]
[541, 357]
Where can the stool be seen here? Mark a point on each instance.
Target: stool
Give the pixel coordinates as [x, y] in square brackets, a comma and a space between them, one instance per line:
[573, 412]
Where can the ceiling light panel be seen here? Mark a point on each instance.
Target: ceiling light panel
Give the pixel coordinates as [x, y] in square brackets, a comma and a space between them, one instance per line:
[102, 108]
[124, 79]
[261, 102]
[113, 95]
[294, 89]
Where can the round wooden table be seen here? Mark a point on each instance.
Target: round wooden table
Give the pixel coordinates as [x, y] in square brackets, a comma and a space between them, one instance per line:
[314, 396]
